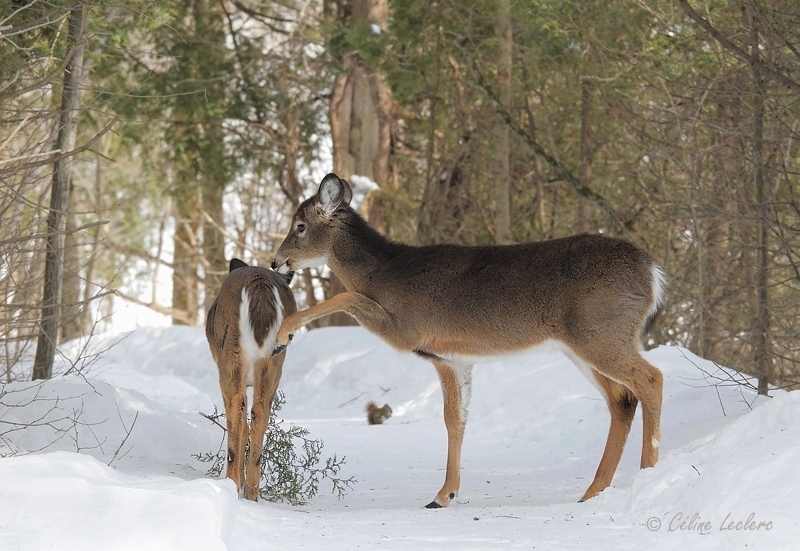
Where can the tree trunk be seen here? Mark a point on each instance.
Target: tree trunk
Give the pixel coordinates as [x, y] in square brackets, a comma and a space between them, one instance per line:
[538, 176]
[360, 123]
[762, 349]
[584, 207]
[70, 323]
[210, 31]
[361, 127]
[59, 197]
[427, 230]
[86, 320]
[215, 266]
[502, 184]
[289, 180]
[360, 118]
[184, 275]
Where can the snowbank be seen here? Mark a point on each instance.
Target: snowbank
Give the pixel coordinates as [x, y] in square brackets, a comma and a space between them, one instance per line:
[725, 480]
[736, 484]
[71, 501]
[115, 425]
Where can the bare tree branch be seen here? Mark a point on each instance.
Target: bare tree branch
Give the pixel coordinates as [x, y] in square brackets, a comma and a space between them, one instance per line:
[563, 172]
[760, 61]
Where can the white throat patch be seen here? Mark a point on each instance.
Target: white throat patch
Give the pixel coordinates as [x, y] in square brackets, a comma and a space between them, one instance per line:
[318, 262]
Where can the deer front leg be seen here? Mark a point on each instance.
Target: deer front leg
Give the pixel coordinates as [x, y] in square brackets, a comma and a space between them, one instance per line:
[456, 392]
[366, 311]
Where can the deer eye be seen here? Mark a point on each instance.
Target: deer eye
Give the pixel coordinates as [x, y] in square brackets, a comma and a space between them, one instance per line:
[301, 229]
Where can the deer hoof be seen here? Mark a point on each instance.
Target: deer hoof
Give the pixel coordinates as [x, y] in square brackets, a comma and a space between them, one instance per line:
[281, 347]
[434, 505]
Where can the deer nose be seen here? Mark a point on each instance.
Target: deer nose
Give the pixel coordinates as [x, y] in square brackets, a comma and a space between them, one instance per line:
[274, 264]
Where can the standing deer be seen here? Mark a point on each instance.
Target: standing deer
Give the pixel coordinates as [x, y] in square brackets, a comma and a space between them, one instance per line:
[588, 296]
[240, 327]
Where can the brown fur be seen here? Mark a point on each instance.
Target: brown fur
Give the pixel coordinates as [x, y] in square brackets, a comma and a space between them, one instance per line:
[453, 304]
[224, 340]
[377, 415]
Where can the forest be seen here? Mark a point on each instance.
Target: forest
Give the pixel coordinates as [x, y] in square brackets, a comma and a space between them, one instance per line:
[144, 141]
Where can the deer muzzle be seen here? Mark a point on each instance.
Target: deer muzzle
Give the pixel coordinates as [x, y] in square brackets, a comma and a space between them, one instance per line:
[281, 265]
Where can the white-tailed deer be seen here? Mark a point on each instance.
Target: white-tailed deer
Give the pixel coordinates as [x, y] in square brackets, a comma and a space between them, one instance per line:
[240, 327]
[590, 296]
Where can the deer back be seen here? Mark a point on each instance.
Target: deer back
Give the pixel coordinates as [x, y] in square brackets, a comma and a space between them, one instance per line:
[245, 316]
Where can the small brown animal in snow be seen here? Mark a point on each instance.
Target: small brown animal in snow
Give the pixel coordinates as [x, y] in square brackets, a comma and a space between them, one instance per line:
[376, 415]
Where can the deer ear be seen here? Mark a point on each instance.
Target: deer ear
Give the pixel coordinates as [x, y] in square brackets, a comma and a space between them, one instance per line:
[236, 263]
[332, 193]
[348, 191]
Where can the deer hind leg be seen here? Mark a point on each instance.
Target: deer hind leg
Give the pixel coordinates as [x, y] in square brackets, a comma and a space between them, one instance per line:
[267, 375]
[650, 390]
[645, 383]
[622, 406]
[456, 391]
[235, 400]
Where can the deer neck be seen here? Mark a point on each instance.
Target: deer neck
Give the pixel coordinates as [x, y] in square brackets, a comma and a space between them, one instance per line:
[359, 250]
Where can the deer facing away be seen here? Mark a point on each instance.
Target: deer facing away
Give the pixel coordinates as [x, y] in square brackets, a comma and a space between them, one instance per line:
[241, 326]
[589, 296]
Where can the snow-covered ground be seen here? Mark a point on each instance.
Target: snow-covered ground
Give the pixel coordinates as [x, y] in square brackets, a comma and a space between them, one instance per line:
[727, 478]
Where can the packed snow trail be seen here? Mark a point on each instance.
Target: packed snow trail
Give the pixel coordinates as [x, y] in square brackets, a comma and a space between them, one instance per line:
[726, 478]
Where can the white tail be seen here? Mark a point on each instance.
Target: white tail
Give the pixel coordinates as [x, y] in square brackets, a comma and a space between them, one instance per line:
[241, 326]
[592, 296]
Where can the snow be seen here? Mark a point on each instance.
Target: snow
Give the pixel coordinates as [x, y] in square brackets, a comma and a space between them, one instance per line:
[725, 480]
[360, 186]
[82, 504]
